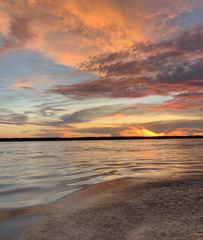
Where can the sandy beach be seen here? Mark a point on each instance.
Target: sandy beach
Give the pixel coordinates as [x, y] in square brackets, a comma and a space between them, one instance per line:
[127, 209]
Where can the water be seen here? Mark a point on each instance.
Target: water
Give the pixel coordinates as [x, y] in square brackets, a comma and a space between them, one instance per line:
[35, 175]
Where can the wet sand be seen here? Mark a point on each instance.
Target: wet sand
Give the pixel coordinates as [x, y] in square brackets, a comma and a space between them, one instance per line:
[127, 209]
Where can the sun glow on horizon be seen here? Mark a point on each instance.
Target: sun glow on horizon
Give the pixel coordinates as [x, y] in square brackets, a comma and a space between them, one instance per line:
[140, 132]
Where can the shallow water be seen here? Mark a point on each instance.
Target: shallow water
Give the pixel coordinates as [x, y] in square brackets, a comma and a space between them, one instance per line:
[34, 175]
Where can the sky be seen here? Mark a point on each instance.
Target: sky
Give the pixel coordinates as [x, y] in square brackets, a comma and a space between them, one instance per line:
[77, 68]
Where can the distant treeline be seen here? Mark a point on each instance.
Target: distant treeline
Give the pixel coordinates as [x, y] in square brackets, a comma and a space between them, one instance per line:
[93, 138]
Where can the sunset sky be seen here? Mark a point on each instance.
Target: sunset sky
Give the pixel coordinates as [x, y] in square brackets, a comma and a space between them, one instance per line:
[76, 68]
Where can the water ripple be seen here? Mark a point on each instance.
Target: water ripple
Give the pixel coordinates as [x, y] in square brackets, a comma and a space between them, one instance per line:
[40, 173]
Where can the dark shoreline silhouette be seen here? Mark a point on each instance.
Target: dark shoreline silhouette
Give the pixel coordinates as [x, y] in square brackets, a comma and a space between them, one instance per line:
[93, 138]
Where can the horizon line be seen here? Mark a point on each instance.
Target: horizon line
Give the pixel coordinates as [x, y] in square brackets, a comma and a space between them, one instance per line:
[94, 138]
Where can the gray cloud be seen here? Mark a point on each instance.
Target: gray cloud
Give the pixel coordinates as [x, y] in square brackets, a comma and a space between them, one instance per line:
[113, 131]
[10, 117]
[187, 75]
[101, 62]
[161, 53]
[88, 115]
[19, 34]
[124, 67]
[170, 126]
[189, 41]
[168, 66]
[48, 133]
[105, 88]
[182, 72]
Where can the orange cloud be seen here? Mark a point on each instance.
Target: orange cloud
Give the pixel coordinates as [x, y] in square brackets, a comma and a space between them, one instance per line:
[178, 133]
[198, 134]
[69, 31]
[29, 83]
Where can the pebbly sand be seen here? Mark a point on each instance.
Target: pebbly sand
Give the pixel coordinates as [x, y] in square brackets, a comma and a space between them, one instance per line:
[126, 209]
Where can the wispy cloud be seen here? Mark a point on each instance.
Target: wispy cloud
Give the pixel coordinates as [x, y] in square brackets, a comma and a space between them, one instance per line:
[8, 116]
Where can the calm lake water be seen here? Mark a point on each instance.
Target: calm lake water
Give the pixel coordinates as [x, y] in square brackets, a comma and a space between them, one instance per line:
[34, 175]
